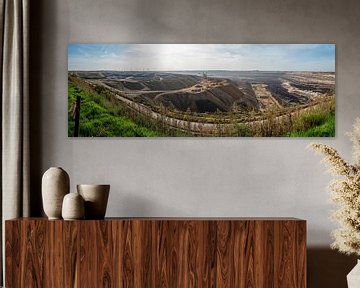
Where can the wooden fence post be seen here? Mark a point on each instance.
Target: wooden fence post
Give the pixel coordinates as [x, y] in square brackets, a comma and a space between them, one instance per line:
[77, 116]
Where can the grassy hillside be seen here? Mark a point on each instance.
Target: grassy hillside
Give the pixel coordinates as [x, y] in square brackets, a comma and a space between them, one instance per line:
[100, 117]
[320, 123]
[316, 122]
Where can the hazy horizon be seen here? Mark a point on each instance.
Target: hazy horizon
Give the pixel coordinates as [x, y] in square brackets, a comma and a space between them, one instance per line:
[200, 70]
[202, 57]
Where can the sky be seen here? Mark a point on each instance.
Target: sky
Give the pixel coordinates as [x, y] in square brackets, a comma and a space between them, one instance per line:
[170, 57]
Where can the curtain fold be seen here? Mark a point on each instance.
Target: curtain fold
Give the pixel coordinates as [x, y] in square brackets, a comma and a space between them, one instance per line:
[15, 148]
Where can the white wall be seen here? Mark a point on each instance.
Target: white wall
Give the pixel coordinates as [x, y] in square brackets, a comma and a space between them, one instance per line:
[188, 176]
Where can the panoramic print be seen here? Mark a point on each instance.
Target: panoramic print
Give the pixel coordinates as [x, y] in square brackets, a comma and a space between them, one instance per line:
[201, 90]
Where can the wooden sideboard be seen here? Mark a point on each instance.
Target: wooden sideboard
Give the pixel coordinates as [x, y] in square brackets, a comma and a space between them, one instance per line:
[156, 252]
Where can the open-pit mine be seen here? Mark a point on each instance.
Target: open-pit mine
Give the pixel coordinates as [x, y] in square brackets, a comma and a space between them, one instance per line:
[215, 103]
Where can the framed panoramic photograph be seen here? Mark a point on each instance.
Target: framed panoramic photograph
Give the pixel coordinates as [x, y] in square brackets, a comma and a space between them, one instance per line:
[201, 90]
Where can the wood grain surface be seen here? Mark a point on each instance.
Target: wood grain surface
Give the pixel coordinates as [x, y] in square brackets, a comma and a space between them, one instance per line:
[153, 252]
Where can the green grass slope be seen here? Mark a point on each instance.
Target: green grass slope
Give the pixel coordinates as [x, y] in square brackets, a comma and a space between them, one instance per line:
[319, 123]
[99, 117]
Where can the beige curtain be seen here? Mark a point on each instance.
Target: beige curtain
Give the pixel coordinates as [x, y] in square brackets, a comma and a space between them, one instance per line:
[14, 177]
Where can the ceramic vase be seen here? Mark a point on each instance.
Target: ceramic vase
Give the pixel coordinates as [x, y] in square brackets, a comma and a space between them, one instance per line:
[73, 207]
[353, 278]
[55, 185]
[96, 198]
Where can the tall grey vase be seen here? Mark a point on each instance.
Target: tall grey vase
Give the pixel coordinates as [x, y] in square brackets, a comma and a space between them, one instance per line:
[55, 185]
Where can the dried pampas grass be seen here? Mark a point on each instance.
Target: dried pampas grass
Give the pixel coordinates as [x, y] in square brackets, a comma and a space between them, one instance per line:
[345, 191]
